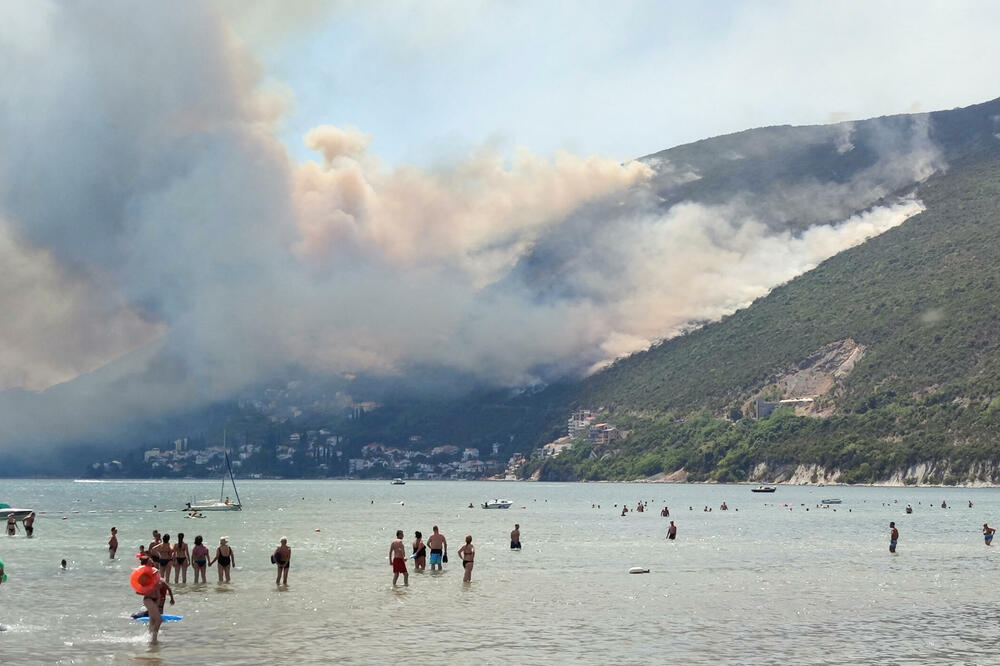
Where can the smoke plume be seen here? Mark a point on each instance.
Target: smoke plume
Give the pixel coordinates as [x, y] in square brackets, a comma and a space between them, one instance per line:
[152, 224]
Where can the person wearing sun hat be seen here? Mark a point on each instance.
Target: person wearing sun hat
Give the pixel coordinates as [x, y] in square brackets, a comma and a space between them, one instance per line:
[225, 557]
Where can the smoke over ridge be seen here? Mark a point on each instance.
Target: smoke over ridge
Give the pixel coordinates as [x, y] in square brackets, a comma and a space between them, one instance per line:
[146, 204]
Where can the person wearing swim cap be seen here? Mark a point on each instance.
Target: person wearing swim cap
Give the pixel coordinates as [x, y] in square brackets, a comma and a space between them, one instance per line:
[225, 557]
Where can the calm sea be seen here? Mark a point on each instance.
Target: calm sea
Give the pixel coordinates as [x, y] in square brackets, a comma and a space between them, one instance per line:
[758, 584]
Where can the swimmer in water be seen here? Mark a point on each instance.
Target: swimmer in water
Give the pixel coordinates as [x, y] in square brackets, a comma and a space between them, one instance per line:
[11, 525]
[515, 537]
[113, 543]
[893, 537]
[672, 531]
[29, 524]
[988, 533]
[468, 555]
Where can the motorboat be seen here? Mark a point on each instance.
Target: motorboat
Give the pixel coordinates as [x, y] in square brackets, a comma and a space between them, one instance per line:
[832, 500]
[19, 514]
[763, 489]
[497, 504]
[398, 482]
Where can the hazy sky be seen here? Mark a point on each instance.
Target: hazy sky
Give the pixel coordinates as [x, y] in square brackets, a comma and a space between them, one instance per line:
[215, 190]
[429, 80]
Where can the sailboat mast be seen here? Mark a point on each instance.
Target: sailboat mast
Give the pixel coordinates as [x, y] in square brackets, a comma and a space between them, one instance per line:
[222, 490]
[233, 479]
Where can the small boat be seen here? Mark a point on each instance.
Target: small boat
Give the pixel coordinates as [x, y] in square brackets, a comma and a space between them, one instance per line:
[19, 514]
[398, 482]
[763, 489]
[832, 500]
[497, 504]
[220, 504]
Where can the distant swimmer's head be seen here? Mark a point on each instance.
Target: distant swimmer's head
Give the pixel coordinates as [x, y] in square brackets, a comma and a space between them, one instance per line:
[517, 526]
[284, 540]
[114, 530]
[197, 540]
[223, 541]
[892, 524]
[468, 538]
[165, 538]
[399, 534]
[63, 564]
[180, 537]
[435, 528]
[418, 534]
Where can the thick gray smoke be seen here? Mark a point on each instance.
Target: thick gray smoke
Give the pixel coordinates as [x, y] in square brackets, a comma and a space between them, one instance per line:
[150, 219]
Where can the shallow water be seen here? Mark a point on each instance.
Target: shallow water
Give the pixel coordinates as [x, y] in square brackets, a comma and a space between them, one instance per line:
[760, 585]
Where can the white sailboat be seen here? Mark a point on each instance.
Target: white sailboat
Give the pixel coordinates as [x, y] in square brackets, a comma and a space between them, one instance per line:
[223, 503]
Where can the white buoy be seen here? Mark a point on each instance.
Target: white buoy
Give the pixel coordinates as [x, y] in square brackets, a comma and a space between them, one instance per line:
[638, 570]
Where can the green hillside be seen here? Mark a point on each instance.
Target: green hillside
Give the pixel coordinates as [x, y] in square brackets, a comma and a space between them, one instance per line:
[922, 299]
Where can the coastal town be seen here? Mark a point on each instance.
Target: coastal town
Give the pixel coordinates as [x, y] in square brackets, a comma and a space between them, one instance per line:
[322, 453]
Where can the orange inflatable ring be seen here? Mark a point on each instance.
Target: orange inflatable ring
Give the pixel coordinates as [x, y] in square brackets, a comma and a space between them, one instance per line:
[145, 580]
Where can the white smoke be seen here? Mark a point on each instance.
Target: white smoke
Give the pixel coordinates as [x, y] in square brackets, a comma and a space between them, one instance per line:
[149, 205]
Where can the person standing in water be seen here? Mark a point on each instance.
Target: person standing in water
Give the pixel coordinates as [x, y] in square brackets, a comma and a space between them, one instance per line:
[282, 558]
[225, 557]
[397, 556]
[672, 531]
[161, 601]
[468, 555]
[199, 558]
[893, 537]
[988, 533]
[113, 543]
[515, 537]
[29, 524]
[11, 524]
[181, 557]
[163, 555]
[153, 544]
[439, 548]
[419, 552]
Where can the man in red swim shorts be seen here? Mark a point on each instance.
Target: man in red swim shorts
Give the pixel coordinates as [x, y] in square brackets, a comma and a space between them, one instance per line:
[397, 555]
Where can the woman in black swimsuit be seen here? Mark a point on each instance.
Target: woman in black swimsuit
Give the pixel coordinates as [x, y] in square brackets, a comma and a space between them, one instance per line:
[225, 557]
[164, 554]
[419, 553]
[199, 557]
[181, 559]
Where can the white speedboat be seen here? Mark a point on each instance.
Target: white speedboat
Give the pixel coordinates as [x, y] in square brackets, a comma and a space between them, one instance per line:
[19, 514]
[763, 489]
[497, 504]
[398, 482]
